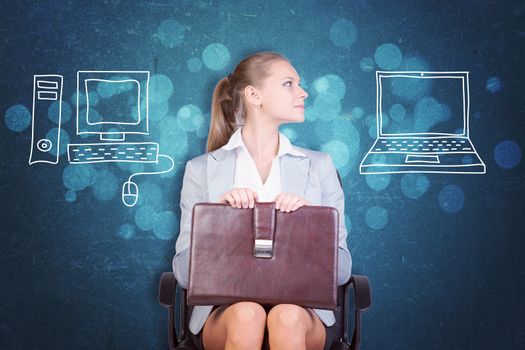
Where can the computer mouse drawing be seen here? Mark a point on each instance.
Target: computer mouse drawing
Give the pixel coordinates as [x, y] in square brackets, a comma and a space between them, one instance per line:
[130, 193]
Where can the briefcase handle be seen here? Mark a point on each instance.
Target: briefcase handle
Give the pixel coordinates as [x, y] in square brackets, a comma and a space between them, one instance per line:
[264, 229]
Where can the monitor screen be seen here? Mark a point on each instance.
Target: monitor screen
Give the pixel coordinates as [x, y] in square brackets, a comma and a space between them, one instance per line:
[418, 104]
[112, 104]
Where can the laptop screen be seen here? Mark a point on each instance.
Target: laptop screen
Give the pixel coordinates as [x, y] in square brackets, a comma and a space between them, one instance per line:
[422, 103]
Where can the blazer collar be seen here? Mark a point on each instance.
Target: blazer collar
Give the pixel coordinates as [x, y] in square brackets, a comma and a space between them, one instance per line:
[221, 171]
[285, 146]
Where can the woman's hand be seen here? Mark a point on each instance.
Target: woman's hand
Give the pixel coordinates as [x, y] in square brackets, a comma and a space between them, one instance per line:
[287, 202]
[239, 198]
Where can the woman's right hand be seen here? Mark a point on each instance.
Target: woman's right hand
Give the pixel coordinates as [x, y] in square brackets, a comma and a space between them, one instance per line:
[239, 198]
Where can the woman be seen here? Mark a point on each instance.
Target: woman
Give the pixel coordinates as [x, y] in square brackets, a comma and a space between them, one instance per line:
[249, 160]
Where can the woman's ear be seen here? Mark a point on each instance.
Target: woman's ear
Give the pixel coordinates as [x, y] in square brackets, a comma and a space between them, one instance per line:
[252, 95]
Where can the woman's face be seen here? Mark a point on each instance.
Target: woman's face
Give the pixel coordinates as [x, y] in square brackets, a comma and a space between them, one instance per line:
[282, 96]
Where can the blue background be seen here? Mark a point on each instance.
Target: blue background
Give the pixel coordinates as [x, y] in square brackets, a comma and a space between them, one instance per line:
[444, 253]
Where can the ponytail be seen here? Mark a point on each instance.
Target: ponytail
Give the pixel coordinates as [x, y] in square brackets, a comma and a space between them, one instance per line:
[223, 122]
[228, 106]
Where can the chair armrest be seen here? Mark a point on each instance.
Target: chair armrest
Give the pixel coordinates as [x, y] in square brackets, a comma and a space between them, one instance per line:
[167, 288]
[362, 302]
[167, 298]
[363, 296]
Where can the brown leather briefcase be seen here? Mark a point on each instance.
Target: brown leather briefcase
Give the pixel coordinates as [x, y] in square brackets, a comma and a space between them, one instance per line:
[263, 255]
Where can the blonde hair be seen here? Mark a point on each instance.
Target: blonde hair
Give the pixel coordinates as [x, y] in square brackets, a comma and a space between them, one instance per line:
[228, 110]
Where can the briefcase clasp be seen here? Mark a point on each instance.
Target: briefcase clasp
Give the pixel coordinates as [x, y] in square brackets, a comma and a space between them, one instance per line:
[263, 248]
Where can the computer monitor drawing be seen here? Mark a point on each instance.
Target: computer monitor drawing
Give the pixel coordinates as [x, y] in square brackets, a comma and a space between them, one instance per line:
[112, 104]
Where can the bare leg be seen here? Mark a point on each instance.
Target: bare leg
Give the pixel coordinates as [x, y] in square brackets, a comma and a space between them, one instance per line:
[294, 327]
[237, 326]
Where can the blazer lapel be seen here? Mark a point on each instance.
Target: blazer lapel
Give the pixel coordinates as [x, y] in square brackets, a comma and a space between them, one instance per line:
[294, 174]
[220, 173]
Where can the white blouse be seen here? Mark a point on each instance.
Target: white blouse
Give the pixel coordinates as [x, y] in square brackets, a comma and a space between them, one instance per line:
[246, 173]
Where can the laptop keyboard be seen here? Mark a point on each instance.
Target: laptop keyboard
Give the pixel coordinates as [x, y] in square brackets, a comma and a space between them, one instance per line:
[423, 145]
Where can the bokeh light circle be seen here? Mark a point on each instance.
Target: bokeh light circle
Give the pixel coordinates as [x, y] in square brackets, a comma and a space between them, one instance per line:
[367, 64]
[160, 88]
[173, 139]
[357, 113]
[331, 84]
[189, 117]
[171, 33]
[53, 111]
[397, 112]
[493, 84]
[388, 56]
[376, 217]
[507, 154]
[70, 196]
[165, 225]
[414, 185]
[327, 107]
[145, 217]
[105, 186]
[451, 199]
[378, 182]
[194, 64]
[343, 33]
[150, 194]
[17, 118]
[76, 177]
[216, 56]
[126, 231]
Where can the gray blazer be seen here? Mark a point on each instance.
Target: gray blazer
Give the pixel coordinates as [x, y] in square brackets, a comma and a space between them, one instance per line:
[209, 175]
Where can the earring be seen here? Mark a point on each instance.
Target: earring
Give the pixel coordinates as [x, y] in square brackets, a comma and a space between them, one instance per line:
[258, 106]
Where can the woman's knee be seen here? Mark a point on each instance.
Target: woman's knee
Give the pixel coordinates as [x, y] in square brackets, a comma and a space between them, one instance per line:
[288, 316]
[247, 313]
[293, 327]
[246, 323]
[286, 327]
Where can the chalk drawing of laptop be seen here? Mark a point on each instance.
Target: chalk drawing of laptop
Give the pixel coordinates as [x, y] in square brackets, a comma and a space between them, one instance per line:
[422, 125]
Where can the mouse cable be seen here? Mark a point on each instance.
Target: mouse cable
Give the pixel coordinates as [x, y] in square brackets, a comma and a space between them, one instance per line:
[155, 172]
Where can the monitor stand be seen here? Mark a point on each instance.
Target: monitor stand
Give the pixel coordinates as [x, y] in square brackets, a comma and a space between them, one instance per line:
[112, 137]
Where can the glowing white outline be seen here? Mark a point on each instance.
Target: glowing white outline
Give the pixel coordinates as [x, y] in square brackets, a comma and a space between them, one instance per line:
[116, 144]
[112, 81]
[464, 75]
[398, 74]
[129, 182]
[422, 156]
[133, 144]
[39, 146]
[53, 96]
[102, 133]
[54, 85]
[103, 159]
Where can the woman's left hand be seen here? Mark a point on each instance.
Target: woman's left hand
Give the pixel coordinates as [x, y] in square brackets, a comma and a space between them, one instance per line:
[288, 202]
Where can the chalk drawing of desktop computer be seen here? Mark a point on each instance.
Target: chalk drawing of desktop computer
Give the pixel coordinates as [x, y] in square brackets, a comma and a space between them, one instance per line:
[45, 134]
[112, 105]
[427, 129]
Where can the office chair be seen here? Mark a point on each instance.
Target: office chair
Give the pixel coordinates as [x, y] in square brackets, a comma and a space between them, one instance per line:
[362, 301]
